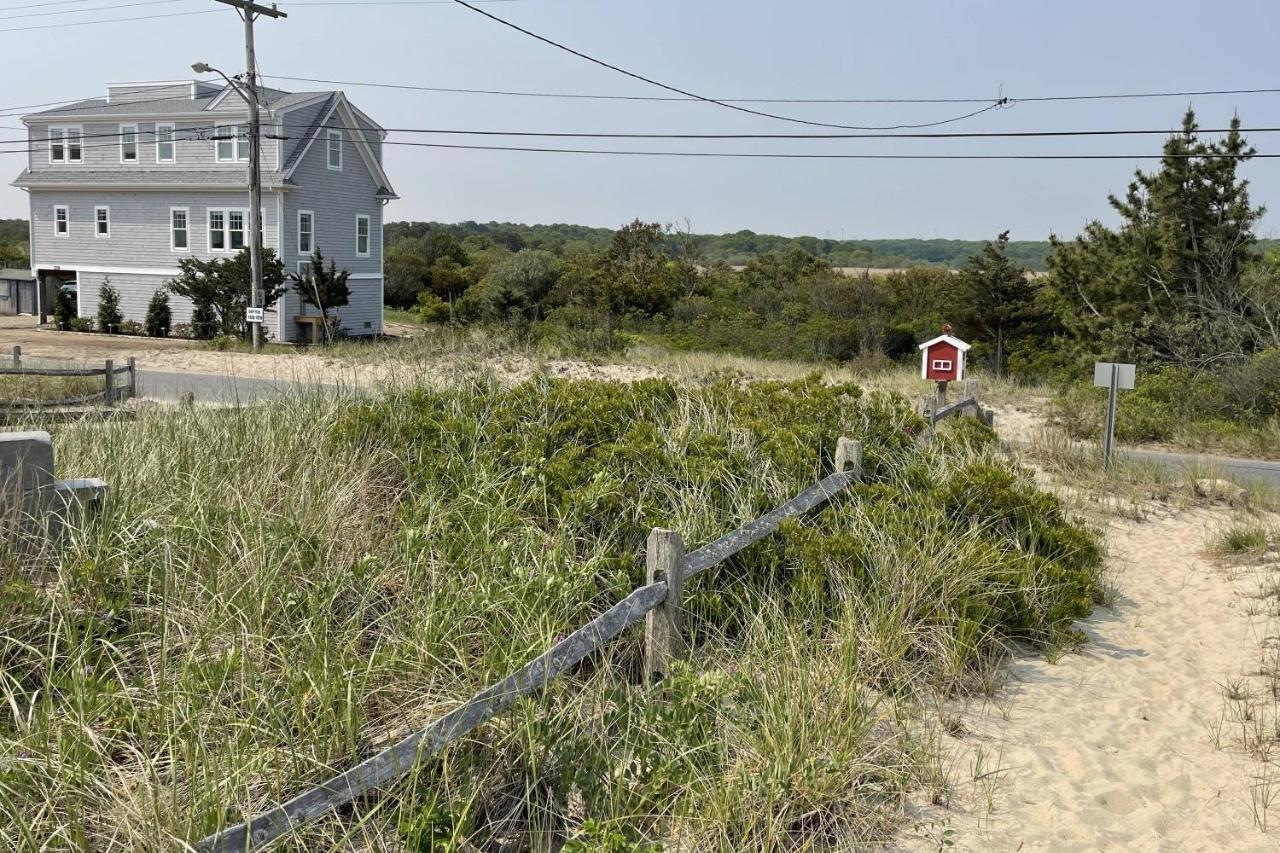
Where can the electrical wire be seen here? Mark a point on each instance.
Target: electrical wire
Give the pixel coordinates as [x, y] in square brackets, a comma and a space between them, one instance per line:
[89, 10]
[995, 104]
[665, 99]
[187, 133]
[62, 24]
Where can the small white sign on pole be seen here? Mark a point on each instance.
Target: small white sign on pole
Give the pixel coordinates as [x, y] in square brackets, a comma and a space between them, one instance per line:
[253, 315]
[1125, 375]
[1115, 378]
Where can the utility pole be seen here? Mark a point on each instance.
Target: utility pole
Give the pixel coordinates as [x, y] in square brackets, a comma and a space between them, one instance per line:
[249, 12]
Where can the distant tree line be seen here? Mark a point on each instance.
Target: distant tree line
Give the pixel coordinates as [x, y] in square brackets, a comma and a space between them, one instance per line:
[1182, 279]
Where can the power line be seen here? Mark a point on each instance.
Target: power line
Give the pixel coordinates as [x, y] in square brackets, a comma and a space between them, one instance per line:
[89, 10]
[189, 133]
[1000, 102]
[795, 156]
[666, 99]
[40, 5]
[60, 25]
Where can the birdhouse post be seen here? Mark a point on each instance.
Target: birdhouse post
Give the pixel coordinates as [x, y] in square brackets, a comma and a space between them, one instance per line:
[942, 360]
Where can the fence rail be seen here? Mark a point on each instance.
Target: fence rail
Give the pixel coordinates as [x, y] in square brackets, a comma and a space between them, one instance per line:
[113, 391]
[658, 603]
[663, 590]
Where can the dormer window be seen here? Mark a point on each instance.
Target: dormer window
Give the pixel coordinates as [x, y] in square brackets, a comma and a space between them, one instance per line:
[128, 143]
[335, 150]
[65, 145]
[232, 141]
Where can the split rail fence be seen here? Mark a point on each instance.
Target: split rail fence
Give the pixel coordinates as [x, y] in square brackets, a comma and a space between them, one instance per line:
[118, 383]
[658, 603]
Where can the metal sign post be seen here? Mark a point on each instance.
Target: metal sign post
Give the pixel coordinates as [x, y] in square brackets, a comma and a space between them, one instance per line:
[1113, 377]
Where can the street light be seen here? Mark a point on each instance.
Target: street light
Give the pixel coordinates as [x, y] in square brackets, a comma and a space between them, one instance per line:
[255, 198]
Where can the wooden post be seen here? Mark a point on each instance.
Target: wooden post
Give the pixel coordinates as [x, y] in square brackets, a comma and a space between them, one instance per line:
[663, 626]
[17, 357]
[849, 457]
[133, 377]
[989, 418]
[109, 383]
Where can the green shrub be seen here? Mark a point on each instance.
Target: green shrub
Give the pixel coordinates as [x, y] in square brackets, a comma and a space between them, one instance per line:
[80, 324]
[63, 308]
[159, 318]
[204, 322]
[109, 316]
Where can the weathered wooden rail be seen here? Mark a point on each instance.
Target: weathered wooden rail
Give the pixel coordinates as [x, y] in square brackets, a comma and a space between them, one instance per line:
[968, 404]
[113, 389]
[658, 602]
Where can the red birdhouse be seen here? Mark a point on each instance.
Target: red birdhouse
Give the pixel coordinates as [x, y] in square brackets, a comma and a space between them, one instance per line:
[942, 359]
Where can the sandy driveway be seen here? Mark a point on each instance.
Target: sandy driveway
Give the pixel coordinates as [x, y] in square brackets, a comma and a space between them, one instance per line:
[1114, 748]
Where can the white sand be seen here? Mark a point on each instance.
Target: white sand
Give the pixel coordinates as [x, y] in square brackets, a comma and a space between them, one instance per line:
[1113, 748]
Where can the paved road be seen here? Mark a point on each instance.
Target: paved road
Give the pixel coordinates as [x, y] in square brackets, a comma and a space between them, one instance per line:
[1235, 468]
[210, 388]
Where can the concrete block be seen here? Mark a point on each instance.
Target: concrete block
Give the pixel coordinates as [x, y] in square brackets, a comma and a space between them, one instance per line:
[26, 460]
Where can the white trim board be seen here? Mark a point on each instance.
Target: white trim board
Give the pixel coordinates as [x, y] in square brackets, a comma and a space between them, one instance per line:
[76, 268]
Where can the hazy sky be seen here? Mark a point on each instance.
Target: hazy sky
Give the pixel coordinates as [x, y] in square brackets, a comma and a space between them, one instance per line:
[744, 48]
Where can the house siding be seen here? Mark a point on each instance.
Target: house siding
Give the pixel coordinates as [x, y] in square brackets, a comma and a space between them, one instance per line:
[192, 147]
[337, 198]
[139, 226]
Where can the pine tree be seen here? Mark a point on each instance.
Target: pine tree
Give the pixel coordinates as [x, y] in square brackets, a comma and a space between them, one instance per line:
[204, 322]
[63, 309]
[1000, 294]
[159, 316]
[322, 288]
[109, 316]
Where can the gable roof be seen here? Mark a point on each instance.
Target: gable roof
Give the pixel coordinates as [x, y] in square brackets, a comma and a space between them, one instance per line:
[950, 339]
[338, 106]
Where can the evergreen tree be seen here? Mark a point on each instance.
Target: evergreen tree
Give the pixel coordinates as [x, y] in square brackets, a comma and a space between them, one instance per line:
[109, 316]
[322, 288]
[1000, 296]
[223, 286]
[1167, 283]
[63, 308]
[204, 322]
[159, 316]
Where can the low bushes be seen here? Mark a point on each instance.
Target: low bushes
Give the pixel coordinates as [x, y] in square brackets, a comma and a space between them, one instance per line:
[233, 631]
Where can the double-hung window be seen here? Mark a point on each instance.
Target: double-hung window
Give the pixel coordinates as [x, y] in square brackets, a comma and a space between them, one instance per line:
[60, 220]
[227, 229]
[335, 150]
[102, 221]
[232, 145]
[65, 145]
[164, 143]
[128, 143]
[306, 232]
[179, 230]
[362, 236]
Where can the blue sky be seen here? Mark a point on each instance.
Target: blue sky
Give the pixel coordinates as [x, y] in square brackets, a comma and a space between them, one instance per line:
[745, 48]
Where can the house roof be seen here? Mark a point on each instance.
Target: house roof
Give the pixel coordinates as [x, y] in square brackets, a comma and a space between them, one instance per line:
[231, 178]
[16, 275]
[954, 341]
[271, 99]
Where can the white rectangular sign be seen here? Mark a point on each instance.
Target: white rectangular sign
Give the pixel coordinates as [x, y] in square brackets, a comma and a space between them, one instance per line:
[254, 315]
[1125, 374]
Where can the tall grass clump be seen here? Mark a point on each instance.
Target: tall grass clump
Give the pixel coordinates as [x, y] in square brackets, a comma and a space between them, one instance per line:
[275, 594]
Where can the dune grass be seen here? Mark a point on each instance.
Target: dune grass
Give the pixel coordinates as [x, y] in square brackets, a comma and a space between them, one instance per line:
[273, 594]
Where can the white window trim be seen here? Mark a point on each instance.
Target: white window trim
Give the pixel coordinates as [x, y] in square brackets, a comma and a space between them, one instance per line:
[304, 269]
[942, 364]
[173, 141]
[96, 210]
[173, 247]
[66, 149]
[137, 153]
[368, 237]
[235, 141]
[307, 252]
[331, 135]
[66, 218]
[226, 229]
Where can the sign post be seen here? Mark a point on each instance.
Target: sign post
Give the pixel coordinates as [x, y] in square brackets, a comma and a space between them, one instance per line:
[1113, 377]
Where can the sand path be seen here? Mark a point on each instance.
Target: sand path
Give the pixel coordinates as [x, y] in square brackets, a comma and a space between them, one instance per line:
[1113, 748]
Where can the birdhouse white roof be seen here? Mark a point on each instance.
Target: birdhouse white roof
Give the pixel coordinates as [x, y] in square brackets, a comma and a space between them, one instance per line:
[950, 339]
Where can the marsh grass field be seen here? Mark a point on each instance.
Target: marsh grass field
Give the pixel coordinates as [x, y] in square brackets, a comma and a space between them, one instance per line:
[273, 594]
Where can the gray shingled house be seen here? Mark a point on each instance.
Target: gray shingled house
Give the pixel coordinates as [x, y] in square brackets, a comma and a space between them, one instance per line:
[122, 187]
